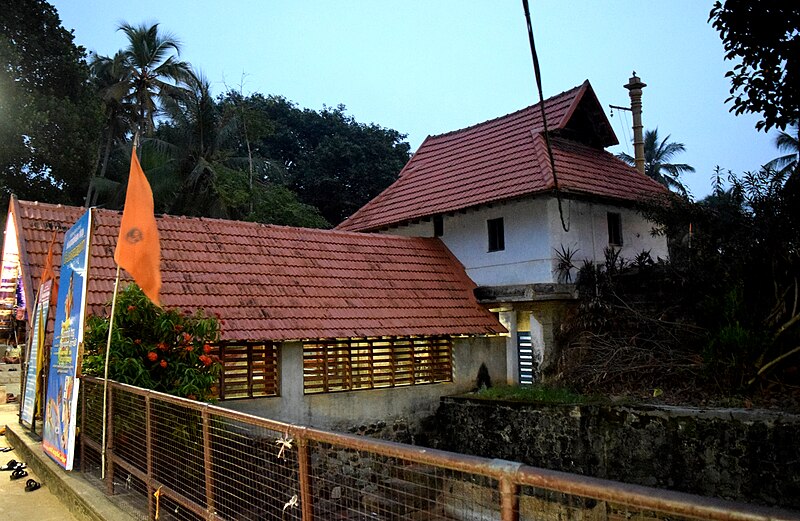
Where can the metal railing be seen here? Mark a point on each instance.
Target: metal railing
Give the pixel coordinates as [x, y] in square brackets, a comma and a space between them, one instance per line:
[172, 458]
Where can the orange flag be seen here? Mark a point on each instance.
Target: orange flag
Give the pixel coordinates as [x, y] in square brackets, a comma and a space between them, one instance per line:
[138, 250]
[48, 273]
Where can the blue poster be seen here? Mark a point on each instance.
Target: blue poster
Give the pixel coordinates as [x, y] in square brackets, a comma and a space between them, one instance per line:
[61, 400]
[30, 389]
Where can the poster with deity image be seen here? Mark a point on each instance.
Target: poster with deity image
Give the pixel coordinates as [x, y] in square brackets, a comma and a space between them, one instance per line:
[61, 400]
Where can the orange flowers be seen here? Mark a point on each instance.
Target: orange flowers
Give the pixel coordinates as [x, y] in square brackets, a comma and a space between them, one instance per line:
[163, 363]
[206, 360]
[207, 348]
[152, 356]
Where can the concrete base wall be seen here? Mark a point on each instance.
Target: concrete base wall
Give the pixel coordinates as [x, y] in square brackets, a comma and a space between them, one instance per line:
[732, 454]
[388, 412]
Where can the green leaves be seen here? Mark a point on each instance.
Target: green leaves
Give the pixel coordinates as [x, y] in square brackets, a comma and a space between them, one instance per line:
[763, 38]
[50, 113]
[166, 350]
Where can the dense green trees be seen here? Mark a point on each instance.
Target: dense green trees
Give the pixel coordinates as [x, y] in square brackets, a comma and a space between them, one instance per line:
[763, 38]
[67, 128]
[49, 113]
[331, 161]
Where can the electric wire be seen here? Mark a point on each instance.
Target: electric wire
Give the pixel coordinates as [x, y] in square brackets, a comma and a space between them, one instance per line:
[538, 74]
[625, 136]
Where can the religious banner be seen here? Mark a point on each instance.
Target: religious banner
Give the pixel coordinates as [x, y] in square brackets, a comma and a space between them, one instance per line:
[33, 368]
[61, 400]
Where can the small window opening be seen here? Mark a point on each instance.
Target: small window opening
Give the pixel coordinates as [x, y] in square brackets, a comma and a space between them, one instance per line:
[438, 226]
[497, 241]
[614, 229]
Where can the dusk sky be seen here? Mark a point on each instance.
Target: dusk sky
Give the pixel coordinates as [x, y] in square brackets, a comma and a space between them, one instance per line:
[428, 67]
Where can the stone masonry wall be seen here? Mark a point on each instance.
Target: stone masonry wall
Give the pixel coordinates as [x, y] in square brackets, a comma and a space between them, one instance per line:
[731, 454]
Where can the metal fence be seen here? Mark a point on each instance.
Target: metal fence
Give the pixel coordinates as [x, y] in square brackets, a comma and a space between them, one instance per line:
[171, 458]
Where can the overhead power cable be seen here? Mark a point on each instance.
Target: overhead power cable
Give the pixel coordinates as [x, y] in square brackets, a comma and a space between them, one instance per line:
[538, 74]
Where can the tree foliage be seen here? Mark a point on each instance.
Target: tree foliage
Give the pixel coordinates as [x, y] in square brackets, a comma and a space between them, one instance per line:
[330, 160]
[763, 37]
[735, 256]
[161, 349]
[67, 128]
[657, 157]
[49, 112]
[786, 142]
[720, 317]
[152, 71]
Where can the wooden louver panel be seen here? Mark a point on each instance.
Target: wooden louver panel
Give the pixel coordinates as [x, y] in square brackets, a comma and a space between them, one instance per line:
[248, 371]
[368, 363]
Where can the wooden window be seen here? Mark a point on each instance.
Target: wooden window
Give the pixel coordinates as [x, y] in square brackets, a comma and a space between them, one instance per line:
[369, 363]
[614, 229]
[438, 225]
[248, 371]
[497, 241]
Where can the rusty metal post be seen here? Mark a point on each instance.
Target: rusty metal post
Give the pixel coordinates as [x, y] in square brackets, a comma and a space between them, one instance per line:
[83, 426]
[110, 444]
[210, 508]
[304, 462]
[507, 487]
[249, 370]
[148, 447]
[509, 500]
[222, 373]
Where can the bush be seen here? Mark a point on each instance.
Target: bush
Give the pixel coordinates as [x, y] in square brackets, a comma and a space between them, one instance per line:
[155, 348]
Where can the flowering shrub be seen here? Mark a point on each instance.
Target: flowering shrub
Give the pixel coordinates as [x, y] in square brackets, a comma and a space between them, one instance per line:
[155, 348]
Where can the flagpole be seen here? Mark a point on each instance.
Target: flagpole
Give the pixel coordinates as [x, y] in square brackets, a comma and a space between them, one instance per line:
[105, 378]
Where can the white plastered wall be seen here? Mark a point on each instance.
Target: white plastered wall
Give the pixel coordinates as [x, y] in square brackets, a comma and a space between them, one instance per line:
[533, 232]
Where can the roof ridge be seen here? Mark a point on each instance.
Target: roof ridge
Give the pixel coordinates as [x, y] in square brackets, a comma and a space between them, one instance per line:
[277, 227]
[540, 149]
[516, 112]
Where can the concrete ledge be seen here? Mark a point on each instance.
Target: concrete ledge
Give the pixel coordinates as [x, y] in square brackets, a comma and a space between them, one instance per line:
[82, 499]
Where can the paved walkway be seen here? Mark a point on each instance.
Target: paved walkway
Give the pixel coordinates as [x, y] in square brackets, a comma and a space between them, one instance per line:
[15, 503]
[63, 496]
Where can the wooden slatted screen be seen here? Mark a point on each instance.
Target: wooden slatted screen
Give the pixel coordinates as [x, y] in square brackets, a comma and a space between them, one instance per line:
[248, 371]
[368, 363]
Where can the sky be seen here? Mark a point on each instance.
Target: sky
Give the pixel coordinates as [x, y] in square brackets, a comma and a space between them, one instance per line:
[425, 67]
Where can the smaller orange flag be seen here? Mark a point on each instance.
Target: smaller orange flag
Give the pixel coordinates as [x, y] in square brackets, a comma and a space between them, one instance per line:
[138, 250]
[48, 273]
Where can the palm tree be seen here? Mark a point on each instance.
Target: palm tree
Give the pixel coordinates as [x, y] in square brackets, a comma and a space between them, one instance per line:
[656, 161]
[786, 142]
[109, 76]
[154, 72]
[194, 136]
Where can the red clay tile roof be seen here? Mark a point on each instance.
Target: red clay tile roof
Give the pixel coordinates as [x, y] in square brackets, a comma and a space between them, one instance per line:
[280, 283]
[506, 158]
